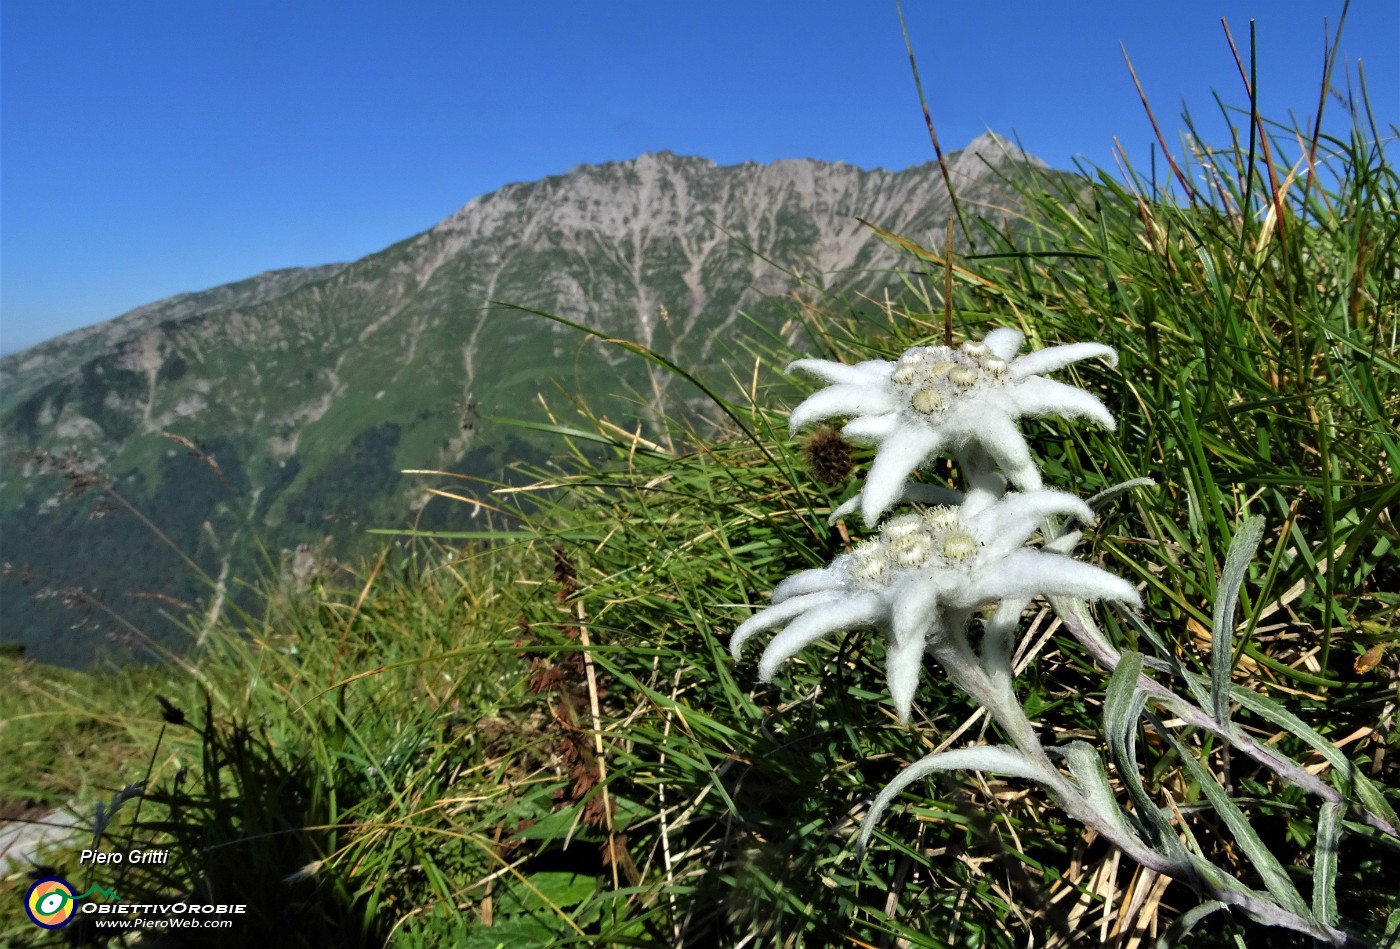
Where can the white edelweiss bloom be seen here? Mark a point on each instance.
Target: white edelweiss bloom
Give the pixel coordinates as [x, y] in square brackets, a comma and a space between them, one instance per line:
[922, 577]
[937, 400]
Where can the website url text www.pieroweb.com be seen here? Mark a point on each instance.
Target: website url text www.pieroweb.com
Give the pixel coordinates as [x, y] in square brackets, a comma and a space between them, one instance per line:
[172, 922]
[163, 915]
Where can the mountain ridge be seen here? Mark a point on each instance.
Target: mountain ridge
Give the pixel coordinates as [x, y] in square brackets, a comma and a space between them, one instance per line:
[85, 341]
[306, 393]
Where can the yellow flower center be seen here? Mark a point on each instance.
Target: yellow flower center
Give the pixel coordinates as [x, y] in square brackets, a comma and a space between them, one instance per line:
[927, 400]
[911, 550]
[959, 545]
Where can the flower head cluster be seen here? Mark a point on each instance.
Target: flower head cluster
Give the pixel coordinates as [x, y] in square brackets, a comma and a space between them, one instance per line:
[922, 577]
[936, 400]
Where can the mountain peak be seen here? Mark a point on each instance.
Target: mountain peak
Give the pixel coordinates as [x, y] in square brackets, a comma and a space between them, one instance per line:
[997, 149]
[313, 389]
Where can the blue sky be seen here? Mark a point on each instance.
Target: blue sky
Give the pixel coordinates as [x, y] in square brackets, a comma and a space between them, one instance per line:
[150, 148]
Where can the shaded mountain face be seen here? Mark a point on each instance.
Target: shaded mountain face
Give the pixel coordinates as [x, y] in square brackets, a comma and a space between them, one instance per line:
[284, 407]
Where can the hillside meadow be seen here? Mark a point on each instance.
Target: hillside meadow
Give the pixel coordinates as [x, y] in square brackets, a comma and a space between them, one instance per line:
[534, 734]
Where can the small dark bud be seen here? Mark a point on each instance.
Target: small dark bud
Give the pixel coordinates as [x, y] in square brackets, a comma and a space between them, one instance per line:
[829, 457]
[564, 574]
[170, 712]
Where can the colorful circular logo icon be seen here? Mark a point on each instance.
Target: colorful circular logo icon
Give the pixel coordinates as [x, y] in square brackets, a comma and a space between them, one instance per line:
[50, 903]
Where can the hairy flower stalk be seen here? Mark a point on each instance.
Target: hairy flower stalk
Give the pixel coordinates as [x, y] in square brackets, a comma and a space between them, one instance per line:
[924, 577]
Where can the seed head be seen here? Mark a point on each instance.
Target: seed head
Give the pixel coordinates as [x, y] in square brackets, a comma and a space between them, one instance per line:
[941, 518]
[963, 376]
[897, 527]
[829, 457]
[911, 550]
[867, 562]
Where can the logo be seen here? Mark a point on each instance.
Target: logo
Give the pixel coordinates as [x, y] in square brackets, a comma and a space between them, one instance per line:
[51, 903]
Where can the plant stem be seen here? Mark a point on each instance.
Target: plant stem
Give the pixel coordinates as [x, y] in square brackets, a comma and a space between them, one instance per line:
[957, 659]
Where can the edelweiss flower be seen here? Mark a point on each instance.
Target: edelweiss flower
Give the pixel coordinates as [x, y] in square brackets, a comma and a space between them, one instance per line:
[923, 577]
[936, 399]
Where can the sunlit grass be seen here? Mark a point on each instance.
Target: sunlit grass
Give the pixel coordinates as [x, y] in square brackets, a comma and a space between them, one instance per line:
[537, 732]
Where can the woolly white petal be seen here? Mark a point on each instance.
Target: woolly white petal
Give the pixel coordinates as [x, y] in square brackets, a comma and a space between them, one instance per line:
[1001, 439]
[844, 613]
[847, 506]
[842, 400]
[1003, 342]
[1005, 526]
[1057, 357]
[985, 485]
[777, 615]
[982, 497]
[1048, 397]
[998, 642]
[871, 429]
[1025, 573]
[810, 581]
[913, 608]
[913, 492]
[876, 368]
[864, 373]
[909, 448]
[1064, 544]
[903, 663]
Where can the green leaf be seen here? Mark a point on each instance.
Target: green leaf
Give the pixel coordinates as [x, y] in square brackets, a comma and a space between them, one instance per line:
[1346, 772]
[1122, 709]
[1275, 877]
[1123, 487]
[1001, 759]
[510, 932]
[1088, 769]
[560, 889]
[554, 826]
[1222, 627]
[531, 911]
[1186, 922]
[1329, 835]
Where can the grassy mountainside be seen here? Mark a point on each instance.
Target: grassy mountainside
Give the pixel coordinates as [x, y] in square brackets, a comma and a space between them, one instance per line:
[281, 412]
[24, 372]
[539, 735]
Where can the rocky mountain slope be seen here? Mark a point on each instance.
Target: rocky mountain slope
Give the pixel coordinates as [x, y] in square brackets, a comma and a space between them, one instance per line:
[24, 372]
[307, 391]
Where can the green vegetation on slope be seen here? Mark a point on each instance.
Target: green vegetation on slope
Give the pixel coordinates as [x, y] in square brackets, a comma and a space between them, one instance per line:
[538, 734]
[295, 387]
